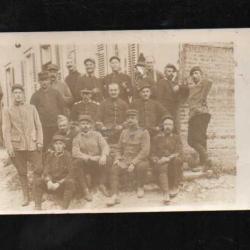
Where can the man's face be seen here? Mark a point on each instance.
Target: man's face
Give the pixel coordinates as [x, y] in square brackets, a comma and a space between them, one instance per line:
[86, 97]
[53, 75]
[196, 76]
[113, 90]
[168, 126]
[44, 84]
[85, 126]
[70, 65]
[63, 126]
[18, 95]
[150, 63]
[132, 120]
[145, 93]
[90, 67]
[169, 72]
[115, 65]
[59, 146]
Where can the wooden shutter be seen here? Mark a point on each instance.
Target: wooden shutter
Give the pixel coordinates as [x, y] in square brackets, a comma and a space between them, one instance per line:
[101, 59]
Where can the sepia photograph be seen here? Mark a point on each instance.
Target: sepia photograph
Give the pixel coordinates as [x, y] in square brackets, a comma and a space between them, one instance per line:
[95, 124]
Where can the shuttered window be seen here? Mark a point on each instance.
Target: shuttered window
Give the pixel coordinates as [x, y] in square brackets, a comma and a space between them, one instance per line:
[101, 59]
[132, 58]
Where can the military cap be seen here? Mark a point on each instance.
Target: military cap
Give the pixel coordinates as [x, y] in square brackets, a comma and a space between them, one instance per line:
[59, 138]
[132, 112]
[167, 116]
[144, 84]
[114, 57]
[169, 65]
[52, 67]
[85, 118]
[17, 86]
[87, 91]
[89, 59]
[195, 68]
[44, 75]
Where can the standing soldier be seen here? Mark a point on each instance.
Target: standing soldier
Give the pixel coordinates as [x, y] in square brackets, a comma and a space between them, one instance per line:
[122, 79]
[91, 152]
[150, 111]
[170, 94]
[23, 137]
[132, 157]
[90, 81]
[167, 157]
[199, 115]
[49, 104]
[72, 79]
[152, 73]
[85, 107]
[62, 87]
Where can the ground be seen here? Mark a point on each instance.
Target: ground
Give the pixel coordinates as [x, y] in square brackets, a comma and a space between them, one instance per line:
[197, 192]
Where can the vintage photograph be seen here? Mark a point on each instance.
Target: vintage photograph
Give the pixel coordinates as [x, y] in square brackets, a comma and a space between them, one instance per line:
[117, 126]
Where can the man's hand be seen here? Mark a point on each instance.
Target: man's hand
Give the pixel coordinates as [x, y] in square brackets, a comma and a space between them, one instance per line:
[155, 159]
[39, 147]
[116, 162]
[176, 88]
[94, 158]
[118, 127]
[131, 167]
[95, 90]
[50, 185]
[11, 152]
[56, 186]
[103, 160]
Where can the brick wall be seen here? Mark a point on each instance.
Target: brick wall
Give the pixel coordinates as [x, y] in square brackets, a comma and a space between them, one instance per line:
[217, 62]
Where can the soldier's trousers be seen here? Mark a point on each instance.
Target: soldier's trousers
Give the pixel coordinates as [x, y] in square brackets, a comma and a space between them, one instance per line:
[140, 172]
[197, 135]
[20, 162]
[169, 174]
[66, 190]
[92, 169]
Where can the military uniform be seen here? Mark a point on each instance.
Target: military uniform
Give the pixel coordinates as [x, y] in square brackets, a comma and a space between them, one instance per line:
[113, 113]
[58, 169]
[150, 113]
[85, 108]
[90, 83]
[88, 144]
[170, 173]
[133, 148]
[124, 81]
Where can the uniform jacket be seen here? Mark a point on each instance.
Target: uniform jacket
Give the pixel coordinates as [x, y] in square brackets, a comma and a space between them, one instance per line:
[163, 145]
[91, 143]
[166, 95]
[22, 129]
[64, 90]
[121, 79]
[71, 80]
[112, 112]
[91, 82]
[57, 167]
[134, 145]
[197, 99]
[85, 108]
[150, 112]
[49, 105]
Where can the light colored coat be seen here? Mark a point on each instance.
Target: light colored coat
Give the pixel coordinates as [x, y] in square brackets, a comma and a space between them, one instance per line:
[22, 129]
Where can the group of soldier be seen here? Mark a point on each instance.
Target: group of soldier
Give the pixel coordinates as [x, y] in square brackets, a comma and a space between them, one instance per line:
[87, 133]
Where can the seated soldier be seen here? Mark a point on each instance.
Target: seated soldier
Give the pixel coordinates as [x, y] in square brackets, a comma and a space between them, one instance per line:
[85, 107]
[167, 158]
[57, 177]
[132, 157]
[91, 152]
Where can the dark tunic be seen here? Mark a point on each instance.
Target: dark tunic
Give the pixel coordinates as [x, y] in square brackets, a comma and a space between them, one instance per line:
[122, 79]
[49, 105]
[150, 112]
[58, 167]
[82, 108]
[71, 79]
